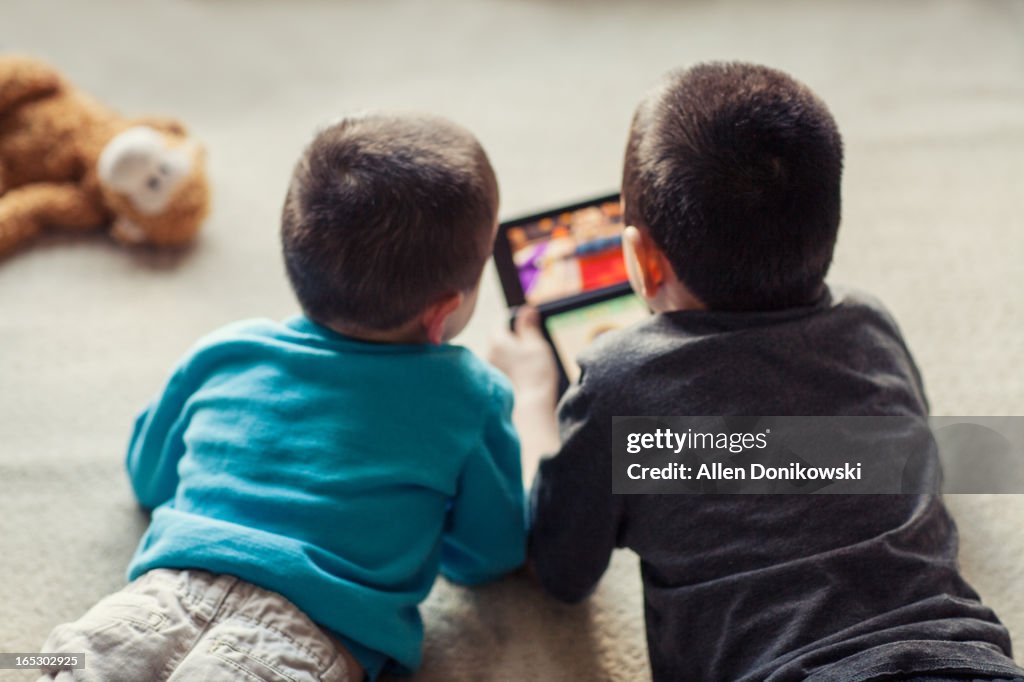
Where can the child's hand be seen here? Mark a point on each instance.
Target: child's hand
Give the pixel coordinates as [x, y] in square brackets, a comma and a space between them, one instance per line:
[525, 357]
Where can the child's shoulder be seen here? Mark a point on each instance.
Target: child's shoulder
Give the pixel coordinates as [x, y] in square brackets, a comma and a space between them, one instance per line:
[858, 318]
[851, 297]
[248, 331]
[239, 340]
[842, 315]
[251, 328]
[479, 376]
[610, 358]
[454, 363]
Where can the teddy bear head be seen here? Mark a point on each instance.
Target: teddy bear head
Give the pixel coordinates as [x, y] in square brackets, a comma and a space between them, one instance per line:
[155, 184]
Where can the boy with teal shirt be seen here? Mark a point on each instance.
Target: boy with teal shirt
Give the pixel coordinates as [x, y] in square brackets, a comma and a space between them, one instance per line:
[310, 478]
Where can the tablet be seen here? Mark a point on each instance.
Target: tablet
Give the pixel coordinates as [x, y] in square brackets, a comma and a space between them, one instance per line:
[567, 262]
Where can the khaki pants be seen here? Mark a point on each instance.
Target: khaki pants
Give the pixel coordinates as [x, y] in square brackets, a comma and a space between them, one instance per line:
[192, 625]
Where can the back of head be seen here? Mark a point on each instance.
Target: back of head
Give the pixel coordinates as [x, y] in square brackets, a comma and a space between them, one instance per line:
[735, 170]
[385, 215]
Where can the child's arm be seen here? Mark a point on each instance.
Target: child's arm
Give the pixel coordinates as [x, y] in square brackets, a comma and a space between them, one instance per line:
[486, 533]
[525, 357]
[574, 517]
[156, 443]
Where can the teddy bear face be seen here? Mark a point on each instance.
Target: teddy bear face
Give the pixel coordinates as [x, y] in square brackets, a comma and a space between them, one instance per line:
[156, 185]
[140, 164]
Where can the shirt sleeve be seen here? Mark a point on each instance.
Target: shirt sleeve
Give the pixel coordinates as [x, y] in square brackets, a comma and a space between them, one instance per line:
[574, 516]
[485, 536]
[156, 443]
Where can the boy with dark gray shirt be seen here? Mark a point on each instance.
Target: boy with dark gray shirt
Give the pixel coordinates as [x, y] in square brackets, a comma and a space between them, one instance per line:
[731, 191]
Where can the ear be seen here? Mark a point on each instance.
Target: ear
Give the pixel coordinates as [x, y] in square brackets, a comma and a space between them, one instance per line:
[434, 317]
[643, 262]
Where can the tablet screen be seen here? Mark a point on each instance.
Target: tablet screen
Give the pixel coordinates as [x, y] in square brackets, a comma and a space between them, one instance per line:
[569, 253]
[574, 330]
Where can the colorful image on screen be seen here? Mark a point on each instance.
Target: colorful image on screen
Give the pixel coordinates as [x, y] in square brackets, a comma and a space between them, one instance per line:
[574, 330]
[569, 253]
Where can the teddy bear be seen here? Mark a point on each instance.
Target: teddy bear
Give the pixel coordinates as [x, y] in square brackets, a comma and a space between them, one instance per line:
[70, 163]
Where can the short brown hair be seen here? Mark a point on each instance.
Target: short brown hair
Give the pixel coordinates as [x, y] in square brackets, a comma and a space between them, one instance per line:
[385, 213]
[735, 170]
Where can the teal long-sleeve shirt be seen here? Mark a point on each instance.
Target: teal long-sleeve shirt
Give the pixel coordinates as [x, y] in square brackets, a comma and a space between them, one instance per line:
[342, 474]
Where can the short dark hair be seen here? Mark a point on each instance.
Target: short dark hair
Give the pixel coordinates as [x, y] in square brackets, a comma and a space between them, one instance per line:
[735, 170]
[385, 214]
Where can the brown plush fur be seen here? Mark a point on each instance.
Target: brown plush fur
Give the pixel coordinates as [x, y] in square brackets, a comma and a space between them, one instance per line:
[51, 136]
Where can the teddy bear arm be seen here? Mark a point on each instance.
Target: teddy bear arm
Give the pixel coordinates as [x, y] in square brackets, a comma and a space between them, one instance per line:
[26, 210]
[66, 205]
[22, 78]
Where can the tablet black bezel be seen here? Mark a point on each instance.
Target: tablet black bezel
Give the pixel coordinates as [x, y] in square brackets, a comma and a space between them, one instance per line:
[509, 275]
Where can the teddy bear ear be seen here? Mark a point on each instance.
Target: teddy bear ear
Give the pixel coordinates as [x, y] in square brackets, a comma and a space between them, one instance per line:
[176, 128]
[165, 125]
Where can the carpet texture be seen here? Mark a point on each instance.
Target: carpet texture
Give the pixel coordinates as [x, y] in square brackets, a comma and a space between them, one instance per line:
[929, 96]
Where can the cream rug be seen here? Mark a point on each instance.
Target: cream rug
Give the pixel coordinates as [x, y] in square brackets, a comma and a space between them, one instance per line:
[929, 96]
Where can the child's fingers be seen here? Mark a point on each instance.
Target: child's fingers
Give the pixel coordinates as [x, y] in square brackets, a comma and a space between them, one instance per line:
[527, 321]
[501, 337]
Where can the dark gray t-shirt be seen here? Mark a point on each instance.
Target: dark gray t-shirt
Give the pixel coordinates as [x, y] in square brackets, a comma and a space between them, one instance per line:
[742, 588]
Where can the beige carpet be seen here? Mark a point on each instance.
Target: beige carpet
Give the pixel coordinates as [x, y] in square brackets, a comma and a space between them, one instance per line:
[929, 95]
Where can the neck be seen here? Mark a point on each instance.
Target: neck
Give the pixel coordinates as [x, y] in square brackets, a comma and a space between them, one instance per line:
[410, 333]
[676, 296]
